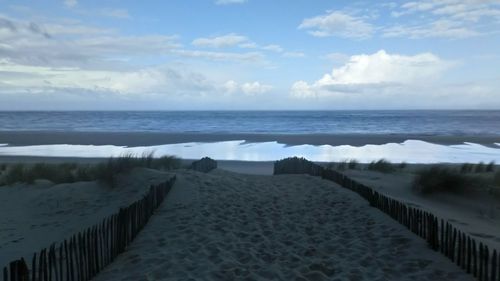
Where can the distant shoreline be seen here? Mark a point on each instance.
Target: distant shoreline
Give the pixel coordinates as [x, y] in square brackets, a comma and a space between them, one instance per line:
[133, 139]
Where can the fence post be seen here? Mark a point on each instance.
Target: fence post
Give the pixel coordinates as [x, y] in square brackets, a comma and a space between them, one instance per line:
[493, 275]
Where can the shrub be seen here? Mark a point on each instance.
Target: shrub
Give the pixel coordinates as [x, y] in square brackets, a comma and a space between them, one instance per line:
[381, 165]
[466, 168]
[55, 173]
[353, 164]
[167, 163]
[496, 179]
[479, 168]
[490, 167]
[72, 172]
[439, 179]
[3, 167]
[15, 173]
[342, 165]
[295, 165]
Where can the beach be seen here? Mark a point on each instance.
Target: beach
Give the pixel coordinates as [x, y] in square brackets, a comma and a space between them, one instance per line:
[226, 226]
[33, 216]
[240, 222]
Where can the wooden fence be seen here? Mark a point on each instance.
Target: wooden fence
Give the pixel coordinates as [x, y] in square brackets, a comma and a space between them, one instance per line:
[85, 254]
[472, 256]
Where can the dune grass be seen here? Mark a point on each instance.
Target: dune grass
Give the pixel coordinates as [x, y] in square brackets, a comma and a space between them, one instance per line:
[381, 165]
[478, 168]
[105, 172]
[440, 179]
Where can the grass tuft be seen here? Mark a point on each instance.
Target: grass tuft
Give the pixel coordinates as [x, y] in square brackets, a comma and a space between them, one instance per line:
[440, 179]
[381, 165]
[490, 167]
[71, 172]
[353, 164]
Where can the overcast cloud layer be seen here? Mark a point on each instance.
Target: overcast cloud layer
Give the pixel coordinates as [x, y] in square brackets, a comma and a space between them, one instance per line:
[236, 54]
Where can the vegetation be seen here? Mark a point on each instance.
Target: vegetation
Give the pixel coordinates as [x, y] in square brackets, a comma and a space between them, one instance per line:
[496, 179]
[440, 179]
[490, 167]
[381, 165]
[353, 164]
[477, 168]
[466, 168]
[344, 165]
[71, 172]
[296, 165]
[402, 165]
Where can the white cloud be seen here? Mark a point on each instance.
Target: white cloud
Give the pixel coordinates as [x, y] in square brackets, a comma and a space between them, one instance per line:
[221, 56]
[337, 23]
[255, 88]
[447, 19]
[227, 40]
[231, 87]
[228, 2]
[70, 3]
[273, 47]
[375, 71]
[154, 80]
[435, 29]
[248, 88]
[234, 40]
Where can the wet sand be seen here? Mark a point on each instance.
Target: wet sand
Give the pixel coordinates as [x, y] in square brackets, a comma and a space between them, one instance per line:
[22, 138]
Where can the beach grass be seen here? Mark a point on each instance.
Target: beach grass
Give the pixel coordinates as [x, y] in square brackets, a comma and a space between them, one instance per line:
[440, 179]
[105, 172]
[478, 168]
[381, 165]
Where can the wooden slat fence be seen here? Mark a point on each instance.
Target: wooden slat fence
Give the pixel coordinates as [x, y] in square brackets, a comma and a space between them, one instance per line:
[85, 254]
[473, 257]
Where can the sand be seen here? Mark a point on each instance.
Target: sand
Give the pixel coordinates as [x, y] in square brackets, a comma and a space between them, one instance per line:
[477, 214]
[34, 216]
[21, 138]
[229, 226]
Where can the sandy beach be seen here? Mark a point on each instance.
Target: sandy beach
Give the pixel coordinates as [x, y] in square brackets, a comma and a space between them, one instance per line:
[34, 216]
[478, 214]
[227, 226]
[239, 222]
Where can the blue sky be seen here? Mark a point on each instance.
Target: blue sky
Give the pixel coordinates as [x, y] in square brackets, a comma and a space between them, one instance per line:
[253, 54]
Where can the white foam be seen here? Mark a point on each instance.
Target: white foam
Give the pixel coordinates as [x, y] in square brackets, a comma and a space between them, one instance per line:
[411, 151]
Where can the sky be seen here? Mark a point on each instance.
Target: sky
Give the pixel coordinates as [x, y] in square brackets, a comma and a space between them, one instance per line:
[249, 55]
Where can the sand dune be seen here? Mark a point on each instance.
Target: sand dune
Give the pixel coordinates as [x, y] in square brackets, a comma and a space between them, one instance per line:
[34, 216]
[478, 214]
[226, 226]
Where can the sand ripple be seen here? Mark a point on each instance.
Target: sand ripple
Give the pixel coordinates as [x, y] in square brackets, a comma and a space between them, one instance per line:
[225, 226]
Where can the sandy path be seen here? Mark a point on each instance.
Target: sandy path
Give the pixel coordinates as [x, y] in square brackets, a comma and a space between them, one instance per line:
[225, 226]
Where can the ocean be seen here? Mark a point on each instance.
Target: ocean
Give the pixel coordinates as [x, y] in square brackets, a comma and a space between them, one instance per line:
[462, 122]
